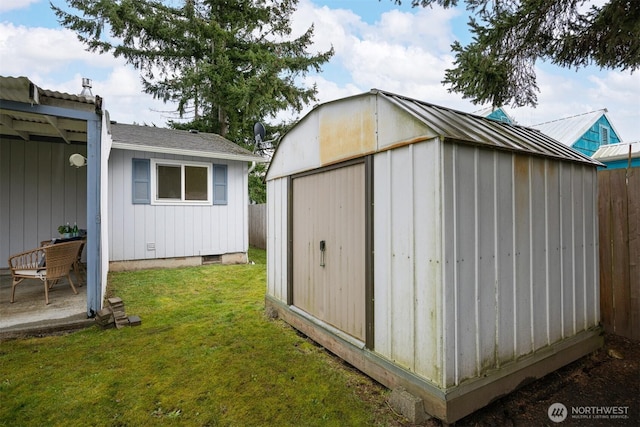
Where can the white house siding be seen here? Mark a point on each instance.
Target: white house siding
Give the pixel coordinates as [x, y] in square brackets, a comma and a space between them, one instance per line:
[407, 260]
[277, 238]
[520, 256]
[176, 231]
[38, 192]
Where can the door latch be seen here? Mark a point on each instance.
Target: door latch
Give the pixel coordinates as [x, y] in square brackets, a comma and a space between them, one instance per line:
[323, 246]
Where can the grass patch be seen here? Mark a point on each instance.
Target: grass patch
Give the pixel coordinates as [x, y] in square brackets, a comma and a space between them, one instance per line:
[205, 355]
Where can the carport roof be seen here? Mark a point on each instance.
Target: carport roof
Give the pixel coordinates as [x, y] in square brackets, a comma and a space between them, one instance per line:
[34, 126]
[187, 143]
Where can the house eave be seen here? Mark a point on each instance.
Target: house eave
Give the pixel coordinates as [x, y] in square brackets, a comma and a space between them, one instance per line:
[182, 152]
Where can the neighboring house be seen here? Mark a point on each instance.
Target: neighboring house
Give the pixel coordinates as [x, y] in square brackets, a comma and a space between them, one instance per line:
[583, 132]
[175, 194]
[128, 216]
[437, 251]
[498, 114]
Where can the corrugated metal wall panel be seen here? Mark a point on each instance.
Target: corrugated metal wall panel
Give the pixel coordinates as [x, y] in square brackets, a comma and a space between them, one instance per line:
[407, 261]
[277, 239]
[504, 259]
[554, 249]
[512, 289]
[485, 224]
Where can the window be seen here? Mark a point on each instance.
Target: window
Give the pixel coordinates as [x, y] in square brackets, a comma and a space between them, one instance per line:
[177, 182]
[604, 135]
[174, 182]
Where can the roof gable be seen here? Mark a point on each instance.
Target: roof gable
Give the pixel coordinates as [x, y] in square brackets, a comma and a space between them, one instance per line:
[498, 114]
[570, 130]
[182, 142]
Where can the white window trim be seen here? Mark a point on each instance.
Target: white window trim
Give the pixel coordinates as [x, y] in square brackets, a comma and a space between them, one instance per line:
[182, 164]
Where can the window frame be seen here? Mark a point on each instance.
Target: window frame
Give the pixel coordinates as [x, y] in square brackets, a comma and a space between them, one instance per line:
[182, 201]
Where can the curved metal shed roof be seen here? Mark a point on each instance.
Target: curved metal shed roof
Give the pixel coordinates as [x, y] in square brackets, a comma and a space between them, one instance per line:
[465, 127]
[378, 120]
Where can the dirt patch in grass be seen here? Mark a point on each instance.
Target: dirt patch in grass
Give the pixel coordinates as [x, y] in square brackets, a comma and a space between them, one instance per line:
[609, 377]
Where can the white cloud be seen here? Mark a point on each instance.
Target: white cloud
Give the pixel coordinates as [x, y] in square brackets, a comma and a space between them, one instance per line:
[43, 50]
[404, 51]
[9, 5]
[567, 94]
[44, 54]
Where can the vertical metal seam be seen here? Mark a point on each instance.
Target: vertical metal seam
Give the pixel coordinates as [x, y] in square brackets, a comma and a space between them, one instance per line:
[389, 251]
[596, 250]
[513, 251]
[532, 324]
[562, 266]
[496, 263]
[442, 285]
[475, 258]
[369, 254]
[573, 253]
[289, 240]
[584, 251]
[547, 249]
[412, 244]
[454, 151]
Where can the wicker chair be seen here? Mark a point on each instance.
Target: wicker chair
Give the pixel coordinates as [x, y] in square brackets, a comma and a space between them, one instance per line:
[47, 264]
[78, 267]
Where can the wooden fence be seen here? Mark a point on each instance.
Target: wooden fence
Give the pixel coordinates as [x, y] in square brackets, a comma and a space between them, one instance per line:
[258, 226]
[619, 220]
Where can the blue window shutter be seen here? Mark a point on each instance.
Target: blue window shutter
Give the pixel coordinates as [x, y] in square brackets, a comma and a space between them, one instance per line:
[219, 184]
[141, 178]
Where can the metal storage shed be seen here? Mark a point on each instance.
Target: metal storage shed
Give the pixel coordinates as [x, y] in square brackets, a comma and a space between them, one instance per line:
[438, 251]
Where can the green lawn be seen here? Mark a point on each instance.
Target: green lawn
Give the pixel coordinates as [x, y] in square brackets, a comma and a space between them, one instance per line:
[205, 355]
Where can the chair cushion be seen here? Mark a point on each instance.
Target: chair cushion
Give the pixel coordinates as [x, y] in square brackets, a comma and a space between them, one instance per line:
[35, 273]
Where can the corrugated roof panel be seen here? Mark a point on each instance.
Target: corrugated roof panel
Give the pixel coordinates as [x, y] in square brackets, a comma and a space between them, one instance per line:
[17, 89]
[617, 151]
[474, 129]
[569, 129]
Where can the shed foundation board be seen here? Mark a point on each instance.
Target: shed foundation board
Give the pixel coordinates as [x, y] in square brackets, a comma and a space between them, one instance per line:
[449, 405]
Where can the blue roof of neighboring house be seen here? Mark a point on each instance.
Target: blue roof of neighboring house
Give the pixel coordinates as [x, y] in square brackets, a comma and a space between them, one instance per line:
[581, 131]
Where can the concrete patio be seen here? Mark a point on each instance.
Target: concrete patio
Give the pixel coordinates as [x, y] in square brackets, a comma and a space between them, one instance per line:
[29, 316]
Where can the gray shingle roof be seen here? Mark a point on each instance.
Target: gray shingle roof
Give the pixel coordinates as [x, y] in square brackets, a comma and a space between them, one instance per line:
[182, 142]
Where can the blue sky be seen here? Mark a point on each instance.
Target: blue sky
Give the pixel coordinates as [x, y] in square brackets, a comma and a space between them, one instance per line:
[378, 45]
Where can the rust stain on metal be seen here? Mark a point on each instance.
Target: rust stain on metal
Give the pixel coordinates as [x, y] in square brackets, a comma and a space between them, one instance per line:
[346, 134]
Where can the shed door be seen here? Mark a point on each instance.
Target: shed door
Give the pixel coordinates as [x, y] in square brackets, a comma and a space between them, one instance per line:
[329, 207]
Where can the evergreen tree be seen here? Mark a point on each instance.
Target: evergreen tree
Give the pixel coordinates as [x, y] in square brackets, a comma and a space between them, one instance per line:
[509, 36]
[227, 63]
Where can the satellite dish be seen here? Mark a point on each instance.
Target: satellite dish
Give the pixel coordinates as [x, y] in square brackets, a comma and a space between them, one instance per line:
[77, 160]
[259, 132]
